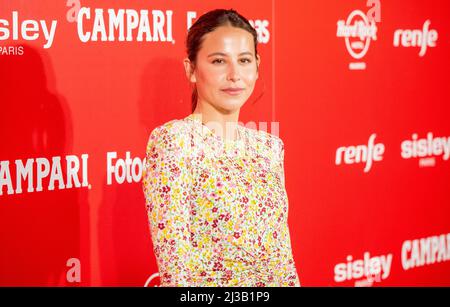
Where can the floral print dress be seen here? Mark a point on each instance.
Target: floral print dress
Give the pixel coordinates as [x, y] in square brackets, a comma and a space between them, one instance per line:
[217, 208]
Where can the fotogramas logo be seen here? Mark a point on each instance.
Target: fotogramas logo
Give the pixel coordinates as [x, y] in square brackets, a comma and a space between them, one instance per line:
[120, 170]
[358, 30]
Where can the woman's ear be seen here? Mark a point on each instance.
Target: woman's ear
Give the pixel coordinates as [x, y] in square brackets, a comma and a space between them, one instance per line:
[189, 69]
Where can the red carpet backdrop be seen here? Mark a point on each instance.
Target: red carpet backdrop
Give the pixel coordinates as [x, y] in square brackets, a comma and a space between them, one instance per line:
[358, 91]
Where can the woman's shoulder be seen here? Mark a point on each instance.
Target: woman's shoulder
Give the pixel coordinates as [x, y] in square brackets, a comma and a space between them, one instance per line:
[266, 145]
[174, 126]
[170, 135]
[264, 139]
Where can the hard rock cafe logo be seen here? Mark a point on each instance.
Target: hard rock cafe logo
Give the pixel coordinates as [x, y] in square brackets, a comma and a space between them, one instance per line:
[358, 31]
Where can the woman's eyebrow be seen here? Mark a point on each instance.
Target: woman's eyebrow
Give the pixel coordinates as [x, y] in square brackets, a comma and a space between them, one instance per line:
[224, 54]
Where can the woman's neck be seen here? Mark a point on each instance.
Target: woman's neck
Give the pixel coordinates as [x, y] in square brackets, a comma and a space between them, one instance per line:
[222, 124]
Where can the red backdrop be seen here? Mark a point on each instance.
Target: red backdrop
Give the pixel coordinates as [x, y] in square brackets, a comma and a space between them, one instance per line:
[359, 89]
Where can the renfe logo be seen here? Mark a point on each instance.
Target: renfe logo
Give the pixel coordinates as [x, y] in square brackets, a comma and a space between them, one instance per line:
[416, 38]
[358, 30]
[361, 153]
[369, 267]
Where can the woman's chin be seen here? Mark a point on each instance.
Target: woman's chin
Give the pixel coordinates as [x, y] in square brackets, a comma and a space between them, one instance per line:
[230, 106]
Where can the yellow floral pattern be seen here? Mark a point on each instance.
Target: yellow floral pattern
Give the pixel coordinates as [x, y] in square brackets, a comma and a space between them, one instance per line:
[217, 209]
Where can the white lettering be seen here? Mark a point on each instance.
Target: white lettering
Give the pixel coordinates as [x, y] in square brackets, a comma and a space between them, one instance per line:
[361, 153]
[425, 251]
[29, 29]
[44, 170]
[416, 38]
[135, 24]
[367, 267]
[128, 169]
[426, 147]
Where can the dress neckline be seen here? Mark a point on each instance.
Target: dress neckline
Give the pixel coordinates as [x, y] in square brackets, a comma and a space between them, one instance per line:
[197, 119]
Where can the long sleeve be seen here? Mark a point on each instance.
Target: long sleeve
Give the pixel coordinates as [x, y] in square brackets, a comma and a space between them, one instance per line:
[290, 277]
[166, 182]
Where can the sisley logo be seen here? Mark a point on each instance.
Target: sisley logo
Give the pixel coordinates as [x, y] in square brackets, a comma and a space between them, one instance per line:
[369, 267]
[416, 38]
[28, 29]
[361, 153]
[359, 30]
[427, 149]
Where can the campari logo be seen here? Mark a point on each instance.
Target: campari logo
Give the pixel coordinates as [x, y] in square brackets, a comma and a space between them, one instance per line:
[43, 174]
[425, 251]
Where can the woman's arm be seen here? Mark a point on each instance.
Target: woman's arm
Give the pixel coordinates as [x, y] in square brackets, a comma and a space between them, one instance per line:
[166, 182]
[290, 277]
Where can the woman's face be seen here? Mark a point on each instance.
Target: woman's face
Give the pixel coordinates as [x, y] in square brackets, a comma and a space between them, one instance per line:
[226, 60]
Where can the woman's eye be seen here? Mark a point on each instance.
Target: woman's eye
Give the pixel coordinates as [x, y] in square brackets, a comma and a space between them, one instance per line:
[220, 61]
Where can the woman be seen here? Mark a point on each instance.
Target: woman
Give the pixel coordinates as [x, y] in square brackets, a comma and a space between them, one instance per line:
[214, 189]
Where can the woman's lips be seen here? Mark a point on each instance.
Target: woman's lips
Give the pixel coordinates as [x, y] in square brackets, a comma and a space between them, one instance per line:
[233, 91]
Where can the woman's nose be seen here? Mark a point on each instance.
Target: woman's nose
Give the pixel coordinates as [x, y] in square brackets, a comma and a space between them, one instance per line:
[233, 72]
